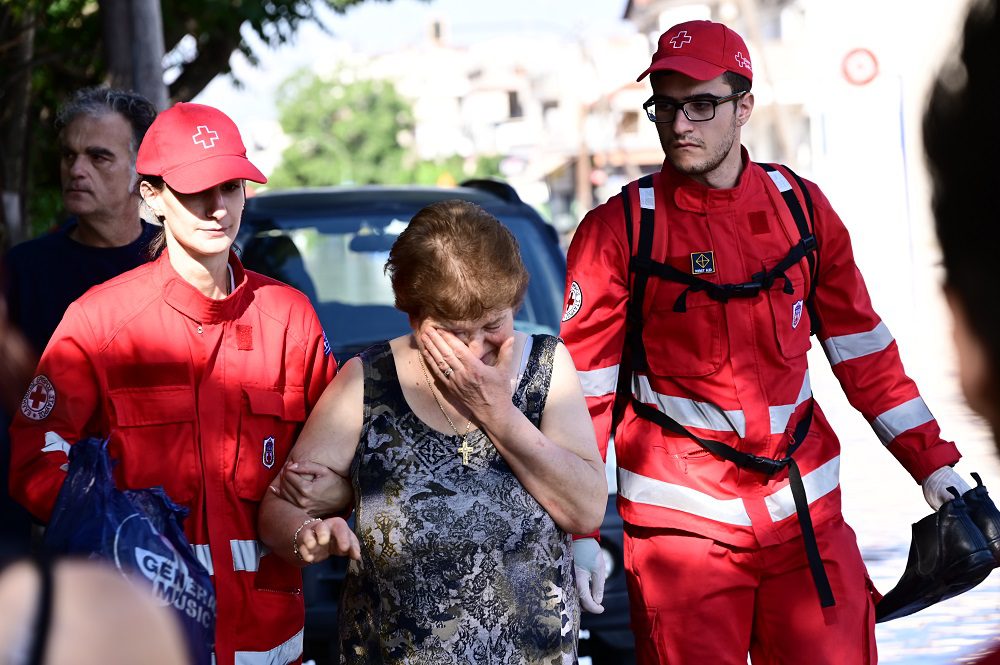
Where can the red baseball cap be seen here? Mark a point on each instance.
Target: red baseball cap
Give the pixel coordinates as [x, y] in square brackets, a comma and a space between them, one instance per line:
[194, 147]
[701, 50]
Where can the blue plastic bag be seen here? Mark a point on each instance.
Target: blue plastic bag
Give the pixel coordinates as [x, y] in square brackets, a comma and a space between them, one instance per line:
[141, 533]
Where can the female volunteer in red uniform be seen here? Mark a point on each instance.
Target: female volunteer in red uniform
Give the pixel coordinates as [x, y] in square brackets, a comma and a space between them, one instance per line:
[200, 372]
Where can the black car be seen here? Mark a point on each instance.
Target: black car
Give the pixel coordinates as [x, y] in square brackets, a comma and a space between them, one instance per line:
[332, 244]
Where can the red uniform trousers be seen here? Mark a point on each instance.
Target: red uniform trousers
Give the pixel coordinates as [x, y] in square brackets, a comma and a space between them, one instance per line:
[700, 602]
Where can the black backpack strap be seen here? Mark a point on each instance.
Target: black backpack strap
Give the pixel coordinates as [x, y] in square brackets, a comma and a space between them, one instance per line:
[633, 350]
[805, 222]
[767, 466]
[640, 267]
[640, 278]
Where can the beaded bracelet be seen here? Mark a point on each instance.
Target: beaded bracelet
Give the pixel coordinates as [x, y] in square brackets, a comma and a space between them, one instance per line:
[295, 538]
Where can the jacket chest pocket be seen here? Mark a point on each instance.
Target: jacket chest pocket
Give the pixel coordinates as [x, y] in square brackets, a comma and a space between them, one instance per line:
[153, 437]
[270, 419]
[685, 343]
[790, 314]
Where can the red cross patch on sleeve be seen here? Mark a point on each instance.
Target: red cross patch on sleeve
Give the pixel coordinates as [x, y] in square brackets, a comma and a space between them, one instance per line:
[39, 399]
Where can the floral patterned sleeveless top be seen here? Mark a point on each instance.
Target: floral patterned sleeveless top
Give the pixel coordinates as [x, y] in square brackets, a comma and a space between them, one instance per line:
[459, 563]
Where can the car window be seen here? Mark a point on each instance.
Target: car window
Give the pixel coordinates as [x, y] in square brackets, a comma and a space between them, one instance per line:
[339, 263]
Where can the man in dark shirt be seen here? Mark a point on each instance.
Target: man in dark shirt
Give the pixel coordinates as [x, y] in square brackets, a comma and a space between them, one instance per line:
[99, 134]
[100, 130]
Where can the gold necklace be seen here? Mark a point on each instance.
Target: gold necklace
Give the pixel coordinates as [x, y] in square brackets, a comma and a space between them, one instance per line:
[463, 449]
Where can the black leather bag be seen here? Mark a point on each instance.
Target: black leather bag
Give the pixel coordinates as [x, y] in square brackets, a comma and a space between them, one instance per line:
[952, 550]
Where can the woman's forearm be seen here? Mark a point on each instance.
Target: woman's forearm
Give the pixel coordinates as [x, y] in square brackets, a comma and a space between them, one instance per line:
[570, 487]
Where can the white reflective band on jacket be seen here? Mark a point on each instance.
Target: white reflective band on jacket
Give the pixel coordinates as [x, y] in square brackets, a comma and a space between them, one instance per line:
[247, 554]
[639, 489]
[689, 412]
[204, 556]
[280, 655]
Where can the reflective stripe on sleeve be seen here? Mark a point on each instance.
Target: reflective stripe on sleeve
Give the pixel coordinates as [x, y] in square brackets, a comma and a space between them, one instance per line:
[848, 347]
[779, 181]
[818, 483]
[280, 655]
[599, 382]
[780, 414]
[246, 554]
[690, 413]
[641, 489]
[899, 419]
[204, 556]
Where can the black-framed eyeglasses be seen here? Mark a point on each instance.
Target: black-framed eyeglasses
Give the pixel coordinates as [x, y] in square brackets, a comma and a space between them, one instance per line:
[696, 110]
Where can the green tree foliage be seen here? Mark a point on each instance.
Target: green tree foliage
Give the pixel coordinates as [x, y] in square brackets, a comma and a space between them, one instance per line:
[57, 46]
[346, 130]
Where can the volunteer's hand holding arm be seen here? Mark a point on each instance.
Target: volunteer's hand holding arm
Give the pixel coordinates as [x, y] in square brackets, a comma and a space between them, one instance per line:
[313, 487]
[314, 482]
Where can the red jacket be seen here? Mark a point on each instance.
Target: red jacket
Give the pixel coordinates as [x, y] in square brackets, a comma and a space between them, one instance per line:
[204, 397]
[735, 372]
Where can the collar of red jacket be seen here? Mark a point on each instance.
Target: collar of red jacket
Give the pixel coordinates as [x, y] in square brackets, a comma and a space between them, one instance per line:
[195, 305]
[693, 196]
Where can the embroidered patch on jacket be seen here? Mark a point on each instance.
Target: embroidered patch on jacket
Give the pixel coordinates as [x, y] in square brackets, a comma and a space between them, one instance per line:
[244, 337]
[758, 223]
[268, 457]
[796, 313]
[702, 263]
[39, 399]
[326, 345]
[574, 303]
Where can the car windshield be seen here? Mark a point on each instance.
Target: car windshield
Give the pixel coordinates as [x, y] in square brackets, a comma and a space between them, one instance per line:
[339, 263]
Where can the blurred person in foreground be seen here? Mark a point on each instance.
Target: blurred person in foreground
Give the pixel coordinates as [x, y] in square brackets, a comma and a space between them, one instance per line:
[199, 372]
[965, 178]
[17, 362]
[79, 612]
[467, 455]
[691, 298]
[100, 130]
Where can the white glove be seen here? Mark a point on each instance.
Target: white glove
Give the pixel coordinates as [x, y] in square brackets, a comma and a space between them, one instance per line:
[588, 564]
[936, 486]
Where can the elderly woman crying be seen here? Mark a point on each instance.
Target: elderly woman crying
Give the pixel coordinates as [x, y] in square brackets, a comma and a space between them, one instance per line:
[468, 456]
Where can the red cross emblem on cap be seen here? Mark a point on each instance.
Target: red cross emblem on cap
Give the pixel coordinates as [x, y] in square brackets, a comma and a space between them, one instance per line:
[680, 39]
[205, 136]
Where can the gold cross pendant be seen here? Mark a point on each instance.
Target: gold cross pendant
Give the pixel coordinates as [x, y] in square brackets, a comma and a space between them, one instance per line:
[464, 450]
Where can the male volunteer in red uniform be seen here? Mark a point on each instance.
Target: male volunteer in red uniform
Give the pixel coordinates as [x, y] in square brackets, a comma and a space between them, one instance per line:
[728, 471]
[199, 372]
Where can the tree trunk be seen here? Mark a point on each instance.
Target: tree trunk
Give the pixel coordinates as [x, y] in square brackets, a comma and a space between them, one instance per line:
[147, 52]
[133, 46]
[116, 27]
[14, 110]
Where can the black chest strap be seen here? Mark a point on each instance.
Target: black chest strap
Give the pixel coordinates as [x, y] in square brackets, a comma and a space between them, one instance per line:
[641, 267]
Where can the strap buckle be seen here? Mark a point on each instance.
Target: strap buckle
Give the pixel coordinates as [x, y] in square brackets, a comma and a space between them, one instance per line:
[744, 290]
[765, 465]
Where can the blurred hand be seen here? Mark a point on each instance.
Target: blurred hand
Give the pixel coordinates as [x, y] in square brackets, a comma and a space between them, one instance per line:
[936, 486]
[314, 488]
[590, 573]
[319, 541]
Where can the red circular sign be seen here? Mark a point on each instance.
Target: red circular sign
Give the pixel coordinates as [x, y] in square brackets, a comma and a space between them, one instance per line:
[859, 66]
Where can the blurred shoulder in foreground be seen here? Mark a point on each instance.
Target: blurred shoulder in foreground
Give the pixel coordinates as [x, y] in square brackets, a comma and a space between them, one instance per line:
[96, 616]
